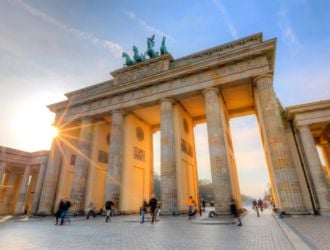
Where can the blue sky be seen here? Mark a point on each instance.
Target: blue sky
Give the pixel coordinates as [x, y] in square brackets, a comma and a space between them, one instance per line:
[49, 47]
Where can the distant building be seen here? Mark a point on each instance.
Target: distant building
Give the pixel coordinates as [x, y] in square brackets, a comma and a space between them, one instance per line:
[21, 179]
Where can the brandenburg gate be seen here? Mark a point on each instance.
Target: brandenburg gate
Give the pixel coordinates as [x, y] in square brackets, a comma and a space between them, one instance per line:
[105, 146]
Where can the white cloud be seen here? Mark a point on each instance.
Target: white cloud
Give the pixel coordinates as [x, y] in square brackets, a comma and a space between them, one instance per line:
[286, 28]
[226, 16]
[115, 48]
[148, 28]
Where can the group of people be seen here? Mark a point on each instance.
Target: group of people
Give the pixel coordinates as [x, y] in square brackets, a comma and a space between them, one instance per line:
[259, 205]
[153, 206]
[154, 209]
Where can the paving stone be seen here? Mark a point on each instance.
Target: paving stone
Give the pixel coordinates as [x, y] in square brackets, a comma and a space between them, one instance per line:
[314, 230]
[168, 233]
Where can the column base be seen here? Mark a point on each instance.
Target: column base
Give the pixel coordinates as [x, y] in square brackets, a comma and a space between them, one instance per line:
[325, 212]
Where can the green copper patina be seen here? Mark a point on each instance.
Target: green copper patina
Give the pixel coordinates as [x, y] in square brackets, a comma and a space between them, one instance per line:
[137, 56]
[151, 43]
[151, 53]
[128, 61]
[163, 49]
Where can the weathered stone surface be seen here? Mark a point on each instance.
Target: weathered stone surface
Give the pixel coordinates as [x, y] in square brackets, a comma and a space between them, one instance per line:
[281, 164]
[40, 180]
[142, 70]
[23, 190]
[315, 168]
[218, 152]
[167, 158]
[49, 186]
[115, 163]
[79, 182]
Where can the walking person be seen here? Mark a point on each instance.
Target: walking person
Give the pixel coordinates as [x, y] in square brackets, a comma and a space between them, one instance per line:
[66, 206]
[255, 206]
[108, 208]
[59, 211]
[260, 203]
[91, 210]
[190, 206]
[203, 205]
[234, 211]
[143, 210]
[153, 206]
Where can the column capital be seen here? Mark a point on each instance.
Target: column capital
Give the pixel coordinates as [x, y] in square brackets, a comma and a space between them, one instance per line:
[211, 89]
[87, 119]
[118, 111]
[262, 76]
[167, 99]
[303, 127]
[43, 160]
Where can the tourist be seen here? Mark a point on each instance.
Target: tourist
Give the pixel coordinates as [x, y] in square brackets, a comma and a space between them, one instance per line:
[59, 211]
[66, 206]
[90, 210]
[191, 207]
[153, 206]
[255, 206]
[203, 204]
[143, 210]
[108, 209]
[260, 204]
[234, 211]
[190, 204]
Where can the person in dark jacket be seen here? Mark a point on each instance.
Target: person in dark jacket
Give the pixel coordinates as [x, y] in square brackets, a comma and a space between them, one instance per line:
[59, 211]
[143, 210]
[108, 208]
[153, 206]
[66, 206]
[234, 211]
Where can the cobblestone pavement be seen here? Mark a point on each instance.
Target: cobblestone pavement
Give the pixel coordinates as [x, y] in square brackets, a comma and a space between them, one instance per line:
[168, 233]
[314, 230]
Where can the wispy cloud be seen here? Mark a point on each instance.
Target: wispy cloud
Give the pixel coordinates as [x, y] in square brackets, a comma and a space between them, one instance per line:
[146, 27]
[115, 48]
[226, 16]
[286, 28]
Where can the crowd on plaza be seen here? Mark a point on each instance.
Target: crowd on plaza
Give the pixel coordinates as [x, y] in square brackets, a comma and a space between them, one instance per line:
[153, 206]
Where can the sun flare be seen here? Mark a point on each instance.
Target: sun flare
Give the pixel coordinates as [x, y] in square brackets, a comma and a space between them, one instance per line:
[54, 131]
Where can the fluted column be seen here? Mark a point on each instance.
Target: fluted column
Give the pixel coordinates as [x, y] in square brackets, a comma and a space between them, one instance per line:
[315, 168]
[83, 160]
[218, 152]
[49, 185]
[115, 162]
[2, 171]
[37, 190]
[325, 147]
[167, 158]
[23, 191]
[282, 169]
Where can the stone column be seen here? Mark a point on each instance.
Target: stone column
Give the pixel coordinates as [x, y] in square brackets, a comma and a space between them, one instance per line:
[218, 152]
[83, 160]
[115, 162]
[315, 169]
[167, 158]
[325, 147]
[49, 185]
[2, 171]
[23, 191]
[37, 190]
[151, 164]
[282, 169]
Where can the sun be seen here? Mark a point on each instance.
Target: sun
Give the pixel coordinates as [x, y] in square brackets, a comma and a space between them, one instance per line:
[54, 132]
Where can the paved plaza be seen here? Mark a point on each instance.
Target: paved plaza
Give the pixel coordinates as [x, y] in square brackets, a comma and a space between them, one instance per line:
[168, 233]
[314, 230]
